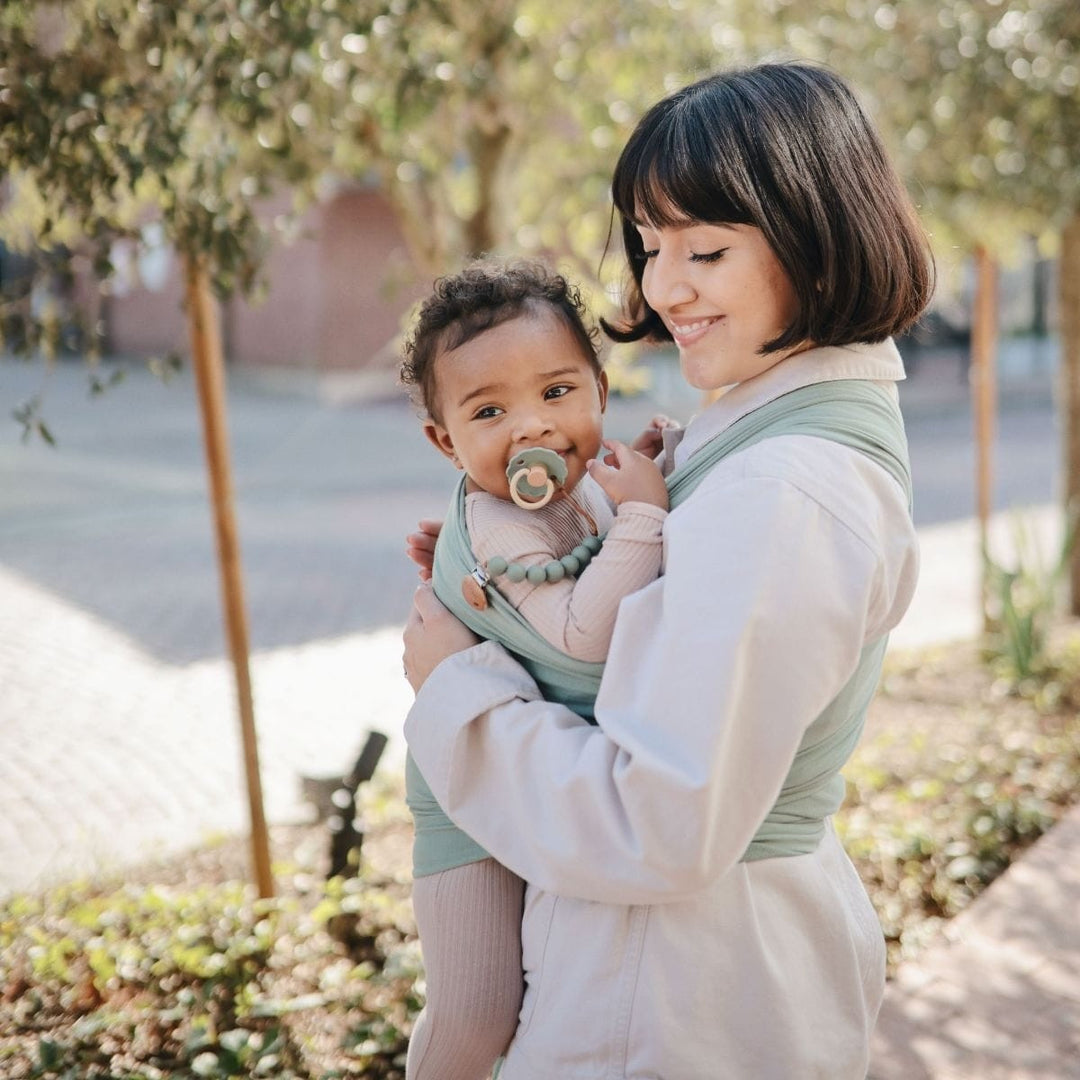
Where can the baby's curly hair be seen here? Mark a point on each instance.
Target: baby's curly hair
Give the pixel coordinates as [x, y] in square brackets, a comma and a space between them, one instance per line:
[485, 294]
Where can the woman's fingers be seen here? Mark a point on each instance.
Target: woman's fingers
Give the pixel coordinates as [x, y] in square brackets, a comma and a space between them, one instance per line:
[427, 605]
[420, 541]
[420, 546]
[432, 633]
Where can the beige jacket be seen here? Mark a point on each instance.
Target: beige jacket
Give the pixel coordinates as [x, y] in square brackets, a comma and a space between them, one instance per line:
[650, 951]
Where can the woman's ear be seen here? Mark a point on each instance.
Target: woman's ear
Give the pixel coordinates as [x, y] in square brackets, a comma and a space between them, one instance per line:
[602, 386]
[439, 437]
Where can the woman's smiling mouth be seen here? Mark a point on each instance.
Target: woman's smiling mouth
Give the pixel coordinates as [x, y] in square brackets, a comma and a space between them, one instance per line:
[688, 332]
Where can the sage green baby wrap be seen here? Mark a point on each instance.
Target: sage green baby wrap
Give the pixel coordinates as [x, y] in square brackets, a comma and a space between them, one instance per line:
[852, 412]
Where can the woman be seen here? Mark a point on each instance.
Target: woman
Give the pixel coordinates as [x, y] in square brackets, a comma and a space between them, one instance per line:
[690, 912]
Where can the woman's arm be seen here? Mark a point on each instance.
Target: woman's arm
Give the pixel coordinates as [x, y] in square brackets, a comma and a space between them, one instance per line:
[714, 674]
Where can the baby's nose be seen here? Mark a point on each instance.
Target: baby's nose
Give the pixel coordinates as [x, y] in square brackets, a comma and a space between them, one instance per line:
[531, 425]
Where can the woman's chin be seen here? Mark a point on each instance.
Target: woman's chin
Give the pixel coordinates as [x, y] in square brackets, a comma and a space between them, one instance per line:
[703, 380]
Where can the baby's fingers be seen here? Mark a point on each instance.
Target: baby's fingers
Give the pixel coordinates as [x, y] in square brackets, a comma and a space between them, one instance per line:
[620, 453]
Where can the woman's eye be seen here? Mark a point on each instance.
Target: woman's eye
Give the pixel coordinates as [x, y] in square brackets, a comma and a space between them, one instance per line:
[709, 256]
[645, 256]
[557, 392]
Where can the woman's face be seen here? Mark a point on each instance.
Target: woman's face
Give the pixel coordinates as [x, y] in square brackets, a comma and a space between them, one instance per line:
[722, 294]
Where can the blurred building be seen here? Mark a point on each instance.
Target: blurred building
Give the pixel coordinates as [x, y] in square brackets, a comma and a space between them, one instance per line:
[336, 301]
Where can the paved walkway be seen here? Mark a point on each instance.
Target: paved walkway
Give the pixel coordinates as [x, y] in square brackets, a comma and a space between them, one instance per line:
[117, 714]
[999, 999]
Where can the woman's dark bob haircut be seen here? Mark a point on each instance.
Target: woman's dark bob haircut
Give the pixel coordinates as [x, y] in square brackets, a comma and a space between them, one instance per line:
[784, 147]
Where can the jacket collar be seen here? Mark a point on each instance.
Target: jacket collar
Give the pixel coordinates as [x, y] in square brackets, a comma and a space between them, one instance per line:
[878, 363]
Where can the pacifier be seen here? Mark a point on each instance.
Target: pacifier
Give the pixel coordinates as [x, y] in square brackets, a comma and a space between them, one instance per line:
[534, 476]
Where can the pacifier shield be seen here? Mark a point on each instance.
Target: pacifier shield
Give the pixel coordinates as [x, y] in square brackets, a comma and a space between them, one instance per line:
[534, 474]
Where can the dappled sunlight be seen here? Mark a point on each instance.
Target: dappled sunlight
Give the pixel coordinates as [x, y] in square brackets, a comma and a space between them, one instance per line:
[946, 605]
[1000, 999]
[112, 755]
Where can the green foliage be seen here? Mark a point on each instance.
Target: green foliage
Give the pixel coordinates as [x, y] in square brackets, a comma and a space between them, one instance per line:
[942, 799]
[489, 127]
[955, 777]
[1022, 603]
[207, 982]
[977, 99]
[28, 414]
[115, 114]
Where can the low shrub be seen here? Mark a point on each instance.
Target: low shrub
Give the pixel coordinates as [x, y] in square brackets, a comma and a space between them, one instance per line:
[183, 973]
[145, 982]
[959, 771]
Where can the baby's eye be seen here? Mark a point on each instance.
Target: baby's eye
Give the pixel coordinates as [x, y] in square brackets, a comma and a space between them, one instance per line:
[556, 392]
[488, 412]
[709, 256]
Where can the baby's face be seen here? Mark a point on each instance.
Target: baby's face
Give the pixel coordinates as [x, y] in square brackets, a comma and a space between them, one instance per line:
[525, 382]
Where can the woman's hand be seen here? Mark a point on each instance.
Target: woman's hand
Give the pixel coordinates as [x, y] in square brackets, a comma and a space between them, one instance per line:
[431, 635]
[651, 441]
[420, 546]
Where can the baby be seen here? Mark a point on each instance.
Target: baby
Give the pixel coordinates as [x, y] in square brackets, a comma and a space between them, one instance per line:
[542, 543]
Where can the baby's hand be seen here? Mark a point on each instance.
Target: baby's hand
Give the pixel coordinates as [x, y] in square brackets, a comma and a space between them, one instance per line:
[420, 547]
[651, 441]
[629, 476]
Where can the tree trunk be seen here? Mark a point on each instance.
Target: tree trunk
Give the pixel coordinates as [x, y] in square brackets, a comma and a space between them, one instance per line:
[487, 141]
[984, 401]
[1040, 292]
[1069, 271]
[210, 380]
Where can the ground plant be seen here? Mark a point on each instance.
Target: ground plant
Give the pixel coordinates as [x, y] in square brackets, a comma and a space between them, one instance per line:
[180, 971]
[1023, 597]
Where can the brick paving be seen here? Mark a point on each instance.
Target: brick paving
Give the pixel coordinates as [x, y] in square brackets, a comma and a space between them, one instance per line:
[999, 999]
[117, 712]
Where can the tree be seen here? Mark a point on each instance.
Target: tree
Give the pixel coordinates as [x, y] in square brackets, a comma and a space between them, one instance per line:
[980, 99]
[495, 127]
[113, 114]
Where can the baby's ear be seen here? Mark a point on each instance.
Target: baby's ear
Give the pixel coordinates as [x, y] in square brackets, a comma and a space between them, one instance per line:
[439, 437]
[602, 385]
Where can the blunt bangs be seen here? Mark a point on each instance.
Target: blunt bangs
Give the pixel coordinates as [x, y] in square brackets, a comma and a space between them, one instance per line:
[678, 169]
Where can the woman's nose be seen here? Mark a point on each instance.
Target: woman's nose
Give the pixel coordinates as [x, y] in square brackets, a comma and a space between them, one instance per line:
[665, 284]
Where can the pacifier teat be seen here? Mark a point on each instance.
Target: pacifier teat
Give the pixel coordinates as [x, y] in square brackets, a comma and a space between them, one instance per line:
[534, 476]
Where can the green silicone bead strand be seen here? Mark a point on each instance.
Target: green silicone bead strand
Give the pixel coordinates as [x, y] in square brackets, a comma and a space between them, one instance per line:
[555, 570]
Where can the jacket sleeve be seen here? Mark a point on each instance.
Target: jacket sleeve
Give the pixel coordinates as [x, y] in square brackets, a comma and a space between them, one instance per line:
[715, 671]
